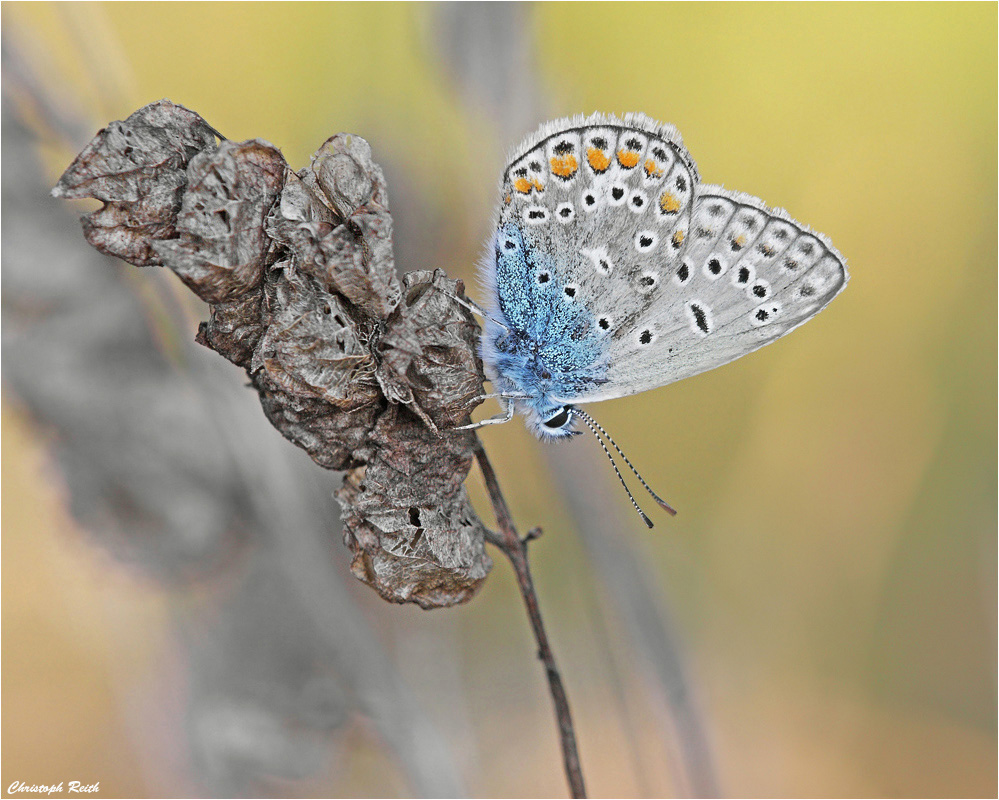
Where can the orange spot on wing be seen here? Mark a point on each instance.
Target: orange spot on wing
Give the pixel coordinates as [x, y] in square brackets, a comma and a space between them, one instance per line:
[669, 203]
[652, 169]
[597, 159]
[564, 166]
[628, 158]
[677, 238]
[522, 185]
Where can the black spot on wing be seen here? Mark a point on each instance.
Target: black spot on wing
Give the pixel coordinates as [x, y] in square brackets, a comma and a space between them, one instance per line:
[700, 317]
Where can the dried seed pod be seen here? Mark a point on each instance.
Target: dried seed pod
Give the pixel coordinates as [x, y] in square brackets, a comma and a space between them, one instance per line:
[300, 276]
[313, 347]
[343, 173]
[428, 351]
[234, 327]
[407, 517]
[333, 216]
[137, 168]
[222, 247]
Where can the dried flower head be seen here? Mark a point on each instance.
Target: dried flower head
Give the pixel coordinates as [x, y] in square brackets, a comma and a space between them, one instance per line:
[363, 373]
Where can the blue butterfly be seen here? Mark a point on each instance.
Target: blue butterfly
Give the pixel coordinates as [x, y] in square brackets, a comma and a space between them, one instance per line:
[614, 270]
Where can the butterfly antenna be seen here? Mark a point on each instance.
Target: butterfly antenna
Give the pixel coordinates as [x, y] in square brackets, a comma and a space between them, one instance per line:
[592, 423]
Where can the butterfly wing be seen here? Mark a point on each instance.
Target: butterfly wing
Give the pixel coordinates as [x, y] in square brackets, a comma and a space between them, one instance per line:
[746, 275]
[628, 274]
[593, 211]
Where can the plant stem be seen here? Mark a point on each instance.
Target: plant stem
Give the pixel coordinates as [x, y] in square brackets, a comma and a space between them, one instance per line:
[515, 549]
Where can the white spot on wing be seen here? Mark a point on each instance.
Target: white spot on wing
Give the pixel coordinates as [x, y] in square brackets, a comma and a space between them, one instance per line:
[764, 314]
[601, 261]
[647, 281]
[638, 202]
[565, 213]
[759, 290]
[617, 189]
[699, 317]
[536, 215]
[646, 241]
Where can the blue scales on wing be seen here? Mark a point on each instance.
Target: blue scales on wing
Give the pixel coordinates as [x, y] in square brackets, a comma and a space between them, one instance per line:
[548, 345]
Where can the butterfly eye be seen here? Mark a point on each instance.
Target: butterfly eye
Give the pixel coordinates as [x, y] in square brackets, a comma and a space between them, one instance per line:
[560, 419]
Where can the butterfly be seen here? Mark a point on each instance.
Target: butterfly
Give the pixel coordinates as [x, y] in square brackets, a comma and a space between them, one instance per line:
[614, 270]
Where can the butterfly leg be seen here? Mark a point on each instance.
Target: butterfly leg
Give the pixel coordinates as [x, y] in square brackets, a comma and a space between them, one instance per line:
[464, 302]
[502, 396]
[471, 305]
[506, 416]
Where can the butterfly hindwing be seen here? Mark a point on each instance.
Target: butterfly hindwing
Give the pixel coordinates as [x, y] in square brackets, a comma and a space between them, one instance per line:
[601, 206]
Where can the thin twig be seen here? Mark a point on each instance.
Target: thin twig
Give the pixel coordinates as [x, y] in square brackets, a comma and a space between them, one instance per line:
[515, 549]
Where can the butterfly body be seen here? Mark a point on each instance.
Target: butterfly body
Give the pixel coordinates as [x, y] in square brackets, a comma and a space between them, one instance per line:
[614, 270]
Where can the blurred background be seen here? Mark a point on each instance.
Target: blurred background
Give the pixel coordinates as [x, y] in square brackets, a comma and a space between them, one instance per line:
[819, 620]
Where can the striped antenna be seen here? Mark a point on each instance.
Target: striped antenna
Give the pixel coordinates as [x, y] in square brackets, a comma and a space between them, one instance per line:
[595, 426]
[590, 424]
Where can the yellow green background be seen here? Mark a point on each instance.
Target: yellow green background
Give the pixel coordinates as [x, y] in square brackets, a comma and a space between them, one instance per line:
[832, 571]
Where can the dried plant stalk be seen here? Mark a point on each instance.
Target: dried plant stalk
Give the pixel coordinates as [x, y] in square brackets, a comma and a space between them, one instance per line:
[361, 372]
